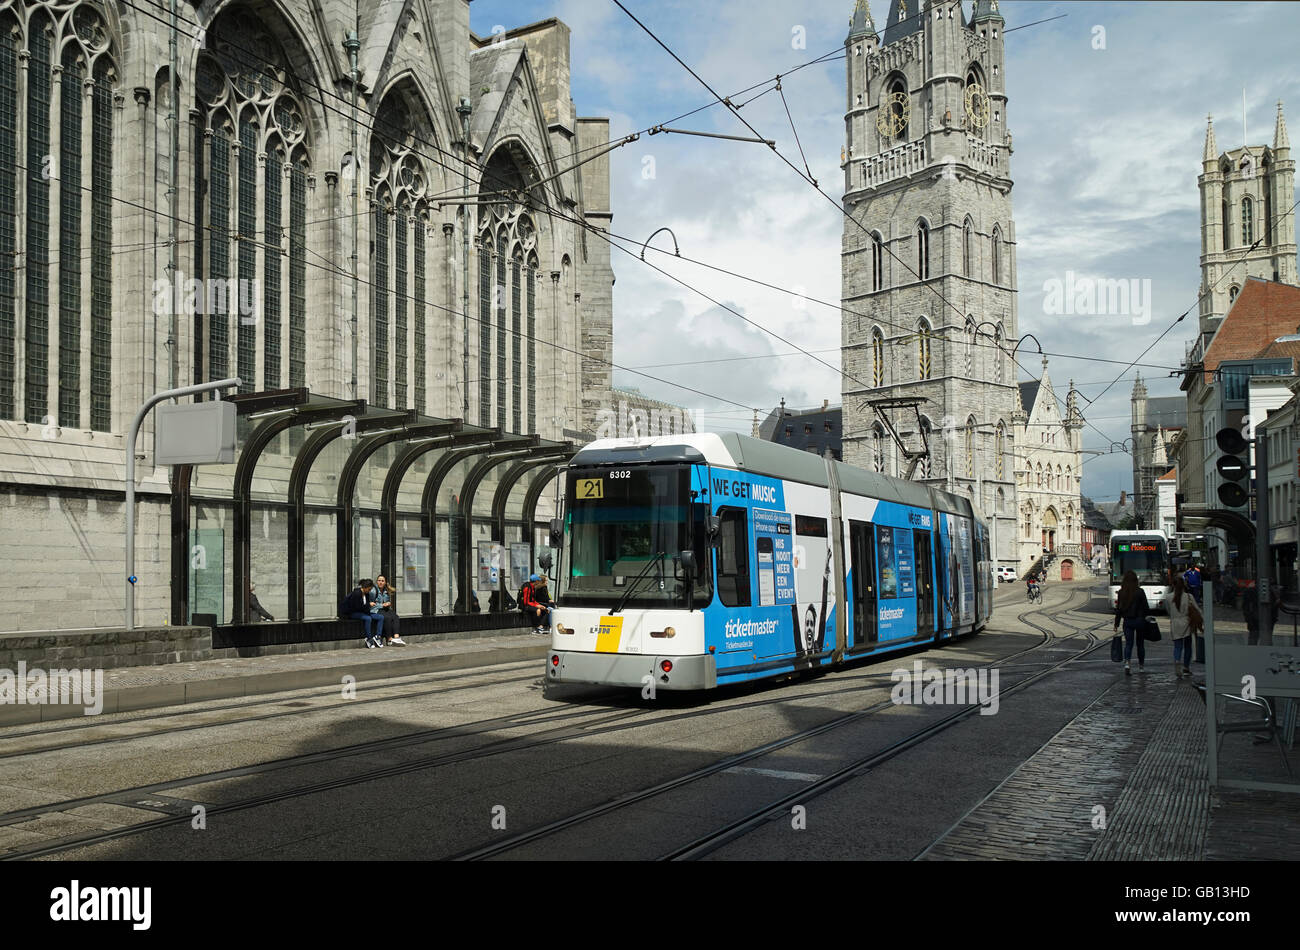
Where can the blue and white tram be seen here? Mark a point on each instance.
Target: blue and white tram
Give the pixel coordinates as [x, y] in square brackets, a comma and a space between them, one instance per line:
[699, 560]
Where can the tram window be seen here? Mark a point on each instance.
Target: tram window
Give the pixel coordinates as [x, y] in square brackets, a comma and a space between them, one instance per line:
[733, 557]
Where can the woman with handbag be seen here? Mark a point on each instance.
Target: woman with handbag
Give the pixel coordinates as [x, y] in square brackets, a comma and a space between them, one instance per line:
[1131, 607]
[1180, 606]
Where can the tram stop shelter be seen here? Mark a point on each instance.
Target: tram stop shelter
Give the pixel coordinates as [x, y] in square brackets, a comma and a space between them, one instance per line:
[323, 492]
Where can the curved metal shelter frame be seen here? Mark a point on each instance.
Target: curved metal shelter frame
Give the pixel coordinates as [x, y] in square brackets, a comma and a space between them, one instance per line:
[538, 453]
[536, 486]
[292, 407]
[443, 433]
[411, 426]
[429, 498]
[330, 420]
[393, 484]
[507, 485]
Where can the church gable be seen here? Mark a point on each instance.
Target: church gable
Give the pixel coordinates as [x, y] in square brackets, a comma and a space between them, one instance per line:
[507, 107]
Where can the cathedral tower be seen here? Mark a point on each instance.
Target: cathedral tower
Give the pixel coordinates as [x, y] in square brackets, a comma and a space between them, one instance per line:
[928, 253]
[1247, 229]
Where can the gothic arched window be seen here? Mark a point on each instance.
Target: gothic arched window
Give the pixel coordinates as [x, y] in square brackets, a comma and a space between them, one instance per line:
[514, 235]
[997, 255]
[999, 450]
[399, 180]
[877, 448]
[877, 358]
[970, 447]
[70, 59]
[971, 340]
[252, 148]
[924, 365]
[1247, 221]
[895, 103]
[922, 250]
[877, 261]
[1232, 294]
[999, 357]
[968, 249]
[1226, 224]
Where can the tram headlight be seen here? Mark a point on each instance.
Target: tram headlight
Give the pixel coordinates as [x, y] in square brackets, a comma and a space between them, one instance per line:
[561, 628]
[667, 633]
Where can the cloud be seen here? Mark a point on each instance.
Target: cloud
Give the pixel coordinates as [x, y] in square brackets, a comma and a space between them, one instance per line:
[1107, 151]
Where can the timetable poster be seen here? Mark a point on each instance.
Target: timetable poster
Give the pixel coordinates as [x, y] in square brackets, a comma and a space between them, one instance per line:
[904, 557]
[774, 527]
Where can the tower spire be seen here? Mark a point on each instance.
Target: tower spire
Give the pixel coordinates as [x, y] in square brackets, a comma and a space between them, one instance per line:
[1280, 139]
[860, 24]
[1211, 152]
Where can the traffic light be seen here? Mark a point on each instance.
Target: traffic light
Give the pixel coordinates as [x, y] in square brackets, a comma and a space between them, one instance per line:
[1233, 466]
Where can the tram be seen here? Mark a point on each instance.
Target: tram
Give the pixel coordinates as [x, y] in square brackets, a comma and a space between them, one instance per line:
[1146, 553]
[693, 561]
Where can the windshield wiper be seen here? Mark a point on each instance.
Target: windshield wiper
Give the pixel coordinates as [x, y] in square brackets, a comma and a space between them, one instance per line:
[637, 580]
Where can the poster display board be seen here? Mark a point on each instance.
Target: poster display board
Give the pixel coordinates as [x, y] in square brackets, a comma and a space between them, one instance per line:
[415, 565]
[489, 565]
[520, 565]
[775, 545]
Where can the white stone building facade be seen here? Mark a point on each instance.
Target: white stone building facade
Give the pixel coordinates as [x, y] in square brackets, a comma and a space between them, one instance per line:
[1049, 478]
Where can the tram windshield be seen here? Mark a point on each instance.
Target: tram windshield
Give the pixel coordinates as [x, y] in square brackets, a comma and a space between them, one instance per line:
[1146, 557]
[626, 528]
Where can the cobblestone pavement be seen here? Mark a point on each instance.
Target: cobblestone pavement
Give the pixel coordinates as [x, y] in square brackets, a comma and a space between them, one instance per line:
[1128, 780]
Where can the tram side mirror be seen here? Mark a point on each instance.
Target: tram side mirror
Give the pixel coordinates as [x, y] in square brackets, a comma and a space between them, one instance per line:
[545, 560]
[557, 532]
[687, 561]
[714, 526]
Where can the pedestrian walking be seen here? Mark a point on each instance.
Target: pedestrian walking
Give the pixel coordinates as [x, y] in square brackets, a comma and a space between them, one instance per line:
[1250, 612]
[1131, 607]
[360, 605]
[1194, 582]
[1229, 595]
[1180, 607]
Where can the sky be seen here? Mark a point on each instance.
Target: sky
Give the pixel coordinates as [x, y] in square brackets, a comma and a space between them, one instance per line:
[1107, 108]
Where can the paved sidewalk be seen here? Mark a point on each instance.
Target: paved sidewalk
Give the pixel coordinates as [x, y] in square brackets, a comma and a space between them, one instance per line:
[148, 687]
[1128, 780]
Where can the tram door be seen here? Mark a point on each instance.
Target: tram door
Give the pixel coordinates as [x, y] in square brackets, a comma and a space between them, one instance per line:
[924, 583]
[863, 549]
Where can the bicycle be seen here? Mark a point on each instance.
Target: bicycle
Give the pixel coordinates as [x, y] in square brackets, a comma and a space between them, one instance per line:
[1035, 593]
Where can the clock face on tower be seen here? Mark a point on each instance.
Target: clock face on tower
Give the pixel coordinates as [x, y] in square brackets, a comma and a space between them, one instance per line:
[978, 108]
[894, 114]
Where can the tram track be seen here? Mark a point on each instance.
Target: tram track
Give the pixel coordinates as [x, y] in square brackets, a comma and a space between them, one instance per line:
[563, 728]
[711, 842]
[279, 700]
[622, 719]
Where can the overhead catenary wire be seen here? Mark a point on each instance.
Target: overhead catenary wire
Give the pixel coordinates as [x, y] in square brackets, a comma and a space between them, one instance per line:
[460, 163]
[708, 105]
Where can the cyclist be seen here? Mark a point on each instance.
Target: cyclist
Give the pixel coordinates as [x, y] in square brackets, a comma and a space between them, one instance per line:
[1033, 584]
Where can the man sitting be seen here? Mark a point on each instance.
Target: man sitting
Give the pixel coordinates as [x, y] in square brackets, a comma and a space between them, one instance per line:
[357, 606]
[535, 603]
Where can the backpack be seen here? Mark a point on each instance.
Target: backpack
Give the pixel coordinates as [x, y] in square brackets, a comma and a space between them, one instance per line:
[519, 601]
